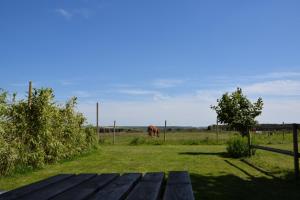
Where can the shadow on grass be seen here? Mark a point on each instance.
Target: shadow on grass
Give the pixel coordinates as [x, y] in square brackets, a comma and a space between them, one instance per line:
[221, 154]
[233, 187]
[263, 171]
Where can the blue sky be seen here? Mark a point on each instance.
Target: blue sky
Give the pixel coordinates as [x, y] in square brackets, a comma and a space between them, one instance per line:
[147, 61]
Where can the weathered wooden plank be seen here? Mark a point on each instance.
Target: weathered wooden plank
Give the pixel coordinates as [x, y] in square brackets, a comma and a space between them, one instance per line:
[55, 189]
[179, 187]
[119, 188]
[17, 193]
[149, 188]
[181, 177]
[86, 189]
[286, 152]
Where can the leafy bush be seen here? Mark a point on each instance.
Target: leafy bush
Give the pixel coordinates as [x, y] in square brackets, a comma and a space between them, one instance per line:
[238, 147]
[41, 133]
[8, 157]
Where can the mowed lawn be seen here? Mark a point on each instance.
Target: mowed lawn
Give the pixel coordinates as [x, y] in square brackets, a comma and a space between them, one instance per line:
[213, 174]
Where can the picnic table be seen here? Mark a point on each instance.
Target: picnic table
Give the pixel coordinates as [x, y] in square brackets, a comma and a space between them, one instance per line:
[129, 186]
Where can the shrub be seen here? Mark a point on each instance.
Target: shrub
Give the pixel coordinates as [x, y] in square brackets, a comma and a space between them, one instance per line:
[238, 147]
[8, 157]
[45, 132]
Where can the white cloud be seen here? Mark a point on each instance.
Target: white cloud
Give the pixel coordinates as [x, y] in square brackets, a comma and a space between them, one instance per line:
[278, 88]
[137, 92]
[178, 111]
[279, 75]
[182, 111]
[155, 95]
[280, 110]
[69, 14]
[63, 12]
[280, 93]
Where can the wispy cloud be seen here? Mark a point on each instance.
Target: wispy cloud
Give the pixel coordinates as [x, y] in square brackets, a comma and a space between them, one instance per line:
[137, 91]
[66, 82]
[167, 83]
[178, 111]
[277, 88]
[155, 95]
[152, 103]
[69, 14]
[64, 13]
[279, 75]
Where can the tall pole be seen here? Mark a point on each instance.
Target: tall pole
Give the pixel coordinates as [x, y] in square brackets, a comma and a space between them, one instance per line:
[165, 130]
[97, 119]
[249, 141]
[114, 134]
[282, 132]
[29, 94]
[296, 153]
[217, 130]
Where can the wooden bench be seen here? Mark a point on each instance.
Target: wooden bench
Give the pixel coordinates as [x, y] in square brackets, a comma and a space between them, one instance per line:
[129, 186]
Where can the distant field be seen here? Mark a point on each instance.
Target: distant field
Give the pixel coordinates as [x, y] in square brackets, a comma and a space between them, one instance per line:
[196, 138]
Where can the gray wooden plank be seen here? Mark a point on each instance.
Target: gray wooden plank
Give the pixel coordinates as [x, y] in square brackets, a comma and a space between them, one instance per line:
[179, 177]
[179, 187]
[16, 193]
[149, 188]
[86, 189]
[55, 189]
[119, 188]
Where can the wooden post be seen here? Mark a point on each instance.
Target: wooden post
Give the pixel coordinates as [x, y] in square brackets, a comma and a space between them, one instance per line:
[97, 119]
[29, 94]
[296, 153]
[249, 143]
[282, 132]
[165, 129]
[114, 133]
[217, 130]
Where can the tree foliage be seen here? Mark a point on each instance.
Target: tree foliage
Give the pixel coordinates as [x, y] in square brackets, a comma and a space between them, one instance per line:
[45, 132]
[237, 111]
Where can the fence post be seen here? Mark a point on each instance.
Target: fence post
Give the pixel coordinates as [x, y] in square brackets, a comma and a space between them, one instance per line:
[217, 131]
[296, 153]
[97, 120]
[282, 132]
[114, 133]
[249, 142]
[29, 94]
[165, 130]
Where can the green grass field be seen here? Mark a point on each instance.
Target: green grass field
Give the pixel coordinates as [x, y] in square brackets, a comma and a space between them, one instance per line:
[214, 176]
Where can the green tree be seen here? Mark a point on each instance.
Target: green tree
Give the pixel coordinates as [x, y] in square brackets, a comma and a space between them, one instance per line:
[237, 111]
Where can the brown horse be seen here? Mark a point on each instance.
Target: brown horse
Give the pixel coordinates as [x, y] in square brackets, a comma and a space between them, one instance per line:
[153, 131]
